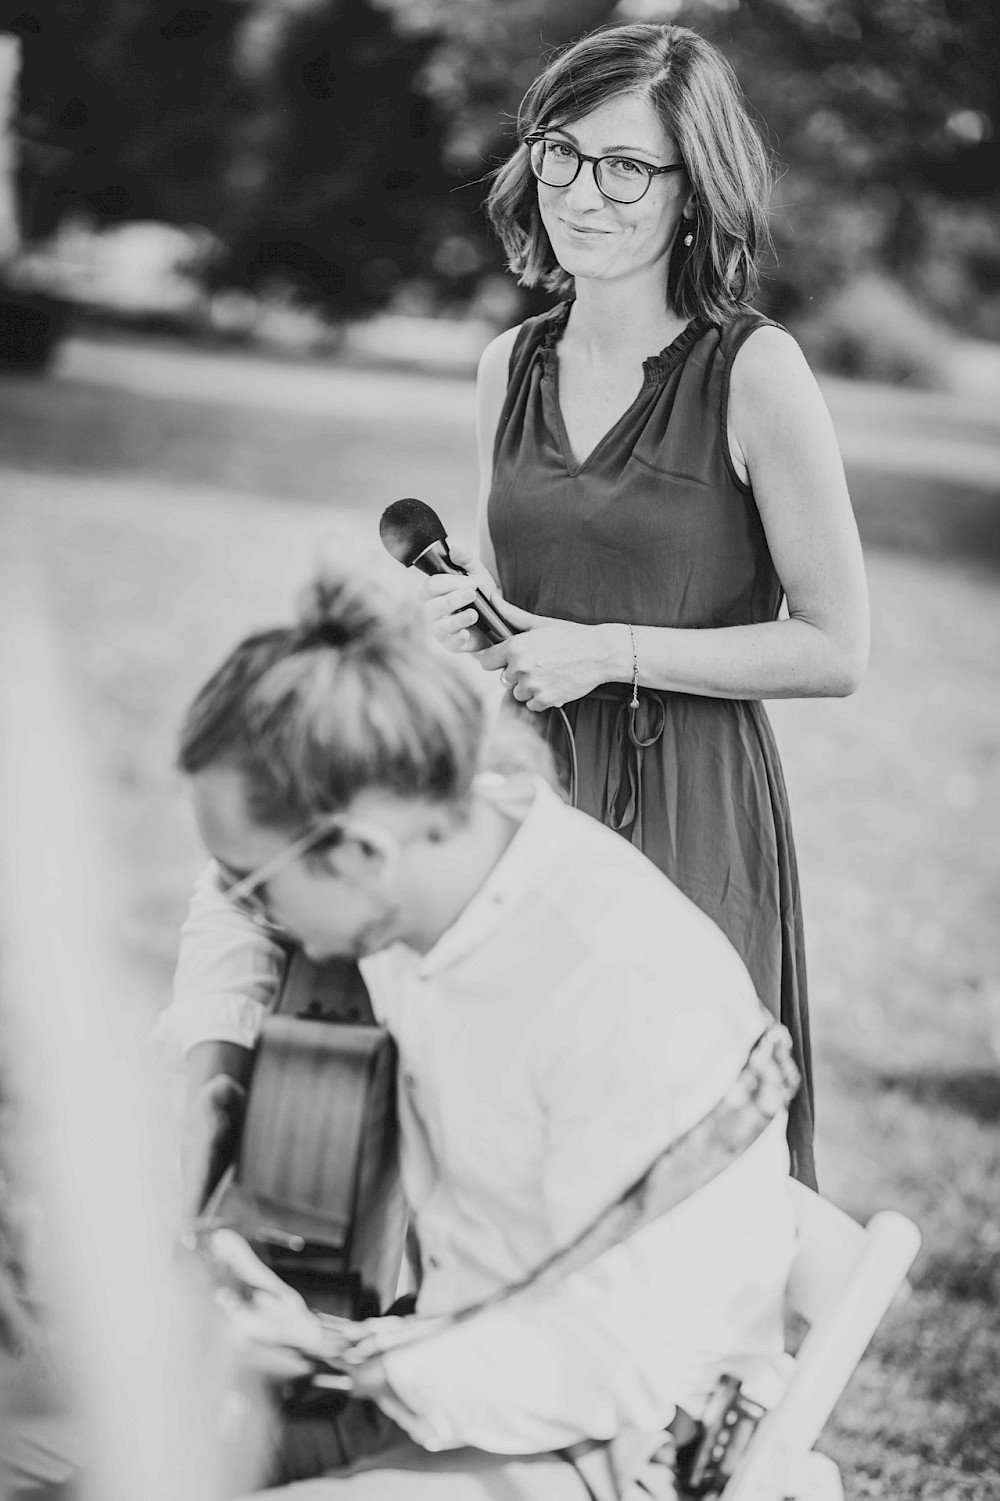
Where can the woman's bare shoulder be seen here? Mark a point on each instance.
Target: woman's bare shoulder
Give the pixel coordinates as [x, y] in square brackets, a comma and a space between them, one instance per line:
[769, 365]
[491, 382]
[495, 358]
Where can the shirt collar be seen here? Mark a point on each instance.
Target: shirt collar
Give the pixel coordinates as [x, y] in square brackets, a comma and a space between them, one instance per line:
[533, 804]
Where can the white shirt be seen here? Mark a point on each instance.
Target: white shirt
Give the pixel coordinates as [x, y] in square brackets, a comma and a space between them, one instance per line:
[579, 1015]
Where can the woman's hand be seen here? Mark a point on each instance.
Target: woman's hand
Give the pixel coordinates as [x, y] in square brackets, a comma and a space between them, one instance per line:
[552, 662]
[447, 597]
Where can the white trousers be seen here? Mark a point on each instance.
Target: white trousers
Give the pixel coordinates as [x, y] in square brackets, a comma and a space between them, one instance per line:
[409, 1473]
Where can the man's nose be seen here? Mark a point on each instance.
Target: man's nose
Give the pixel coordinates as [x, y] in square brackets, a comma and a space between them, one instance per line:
[583, 192]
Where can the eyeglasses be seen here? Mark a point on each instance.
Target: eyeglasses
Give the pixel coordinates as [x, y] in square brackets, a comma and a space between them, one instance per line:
[620, 179]
[248, 892]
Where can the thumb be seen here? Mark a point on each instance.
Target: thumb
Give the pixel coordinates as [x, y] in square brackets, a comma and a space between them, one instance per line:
[521, 620]
[474, 567]
[463, 555]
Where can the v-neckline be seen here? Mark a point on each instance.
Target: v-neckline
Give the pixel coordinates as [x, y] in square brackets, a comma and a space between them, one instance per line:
[654, 368]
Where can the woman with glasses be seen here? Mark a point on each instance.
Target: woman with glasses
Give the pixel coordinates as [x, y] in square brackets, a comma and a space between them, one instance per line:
[562, 1014]
[659, 476]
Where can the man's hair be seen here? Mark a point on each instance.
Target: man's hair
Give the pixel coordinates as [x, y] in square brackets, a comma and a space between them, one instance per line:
[696, 96]
[355, 695]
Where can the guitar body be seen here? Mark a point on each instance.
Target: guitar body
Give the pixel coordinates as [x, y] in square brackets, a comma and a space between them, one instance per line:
[315, 1182]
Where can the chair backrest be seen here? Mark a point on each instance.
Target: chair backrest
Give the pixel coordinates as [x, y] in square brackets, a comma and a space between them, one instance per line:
[843, 1279]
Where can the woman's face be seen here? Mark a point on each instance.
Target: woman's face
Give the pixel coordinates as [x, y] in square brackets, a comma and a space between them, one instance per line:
[593, 238]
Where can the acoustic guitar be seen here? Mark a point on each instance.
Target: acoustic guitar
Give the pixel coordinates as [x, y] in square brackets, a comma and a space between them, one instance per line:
[315, 1184]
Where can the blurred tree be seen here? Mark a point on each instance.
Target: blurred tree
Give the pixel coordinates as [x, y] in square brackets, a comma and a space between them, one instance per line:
[886, 113]
[290, 128]
[485, 55]
[338, 147]
[332, 186]
[323, 141]
[122, 104]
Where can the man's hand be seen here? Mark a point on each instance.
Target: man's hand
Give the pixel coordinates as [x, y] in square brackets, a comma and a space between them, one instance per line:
[270, 1326]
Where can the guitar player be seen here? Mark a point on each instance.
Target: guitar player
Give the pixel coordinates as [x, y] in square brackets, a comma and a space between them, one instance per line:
[561, 1013]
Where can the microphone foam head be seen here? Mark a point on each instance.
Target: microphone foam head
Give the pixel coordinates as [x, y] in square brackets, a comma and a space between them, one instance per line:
[408, 527]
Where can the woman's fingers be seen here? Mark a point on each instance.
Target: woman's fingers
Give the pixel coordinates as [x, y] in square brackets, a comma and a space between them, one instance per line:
[449, 612]
[439, 606]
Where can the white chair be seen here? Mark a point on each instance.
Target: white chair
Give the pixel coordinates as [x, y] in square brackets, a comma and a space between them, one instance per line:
[843, 1279]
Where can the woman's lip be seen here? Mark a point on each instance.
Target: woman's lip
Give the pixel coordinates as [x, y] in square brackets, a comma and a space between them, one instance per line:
[584, 229]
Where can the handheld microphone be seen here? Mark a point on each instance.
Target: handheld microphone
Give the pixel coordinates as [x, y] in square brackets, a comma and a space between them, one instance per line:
[415, 536]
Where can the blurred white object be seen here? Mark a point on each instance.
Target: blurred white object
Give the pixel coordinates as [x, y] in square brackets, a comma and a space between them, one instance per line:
[842, 1281]
[991, 995]
[142, 269]
[428, 342]
[10, 68]
[145, 1371]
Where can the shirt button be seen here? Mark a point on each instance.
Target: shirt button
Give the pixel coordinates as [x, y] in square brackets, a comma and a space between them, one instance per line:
[410, 1080]
[433, 1263]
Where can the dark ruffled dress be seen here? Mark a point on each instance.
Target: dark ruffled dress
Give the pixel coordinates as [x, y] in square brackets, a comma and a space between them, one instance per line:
[656, 528]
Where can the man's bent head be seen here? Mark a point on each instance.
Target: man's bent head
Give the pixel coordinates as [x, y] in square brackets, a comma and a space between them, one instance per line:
[321, 754]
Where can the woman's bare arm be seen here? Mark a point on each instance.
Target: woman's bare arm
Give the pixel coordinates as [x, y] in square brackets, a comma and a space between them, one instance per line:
[782, 432]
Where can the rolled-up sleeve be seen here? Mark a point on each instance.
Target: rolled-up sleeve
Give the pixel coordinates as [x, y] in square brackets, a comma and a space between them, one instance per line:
[227, 976]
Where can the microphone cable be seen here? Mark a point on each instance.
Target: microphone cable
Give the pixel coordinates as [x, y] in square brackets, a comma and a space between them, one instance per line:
[574, 770]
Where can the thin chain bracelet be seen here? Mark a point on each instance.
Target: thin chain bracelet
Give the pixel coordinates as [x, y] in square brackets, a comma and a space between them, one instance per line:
[635, 671]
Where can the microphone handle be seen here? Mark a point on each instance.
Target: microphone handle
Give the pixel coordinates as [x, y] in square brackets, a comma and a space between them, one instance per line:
[436, 559]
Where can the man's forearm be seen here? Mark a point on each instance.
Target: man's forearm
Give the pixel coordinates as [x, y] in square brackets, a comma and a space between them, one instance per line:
[215, 1094]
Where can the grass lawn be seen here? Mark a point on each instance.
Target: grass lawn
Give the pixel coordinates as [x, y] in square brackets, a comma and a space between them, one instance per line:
[180, 501]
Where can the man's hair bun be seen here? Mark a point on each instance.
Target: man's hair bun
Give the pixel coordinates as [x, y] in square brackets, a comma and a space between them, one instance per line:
[355, 609]
[355, 694]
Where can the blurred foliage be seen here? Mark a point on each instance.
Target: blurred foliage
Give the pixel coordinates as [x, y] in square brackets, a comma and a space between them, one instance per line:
[885, 112]
[337, 148]
[871, 330]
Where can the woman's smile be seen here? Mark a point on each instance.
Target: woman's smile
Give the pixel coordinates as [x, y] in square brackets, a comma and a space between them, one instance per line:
[594, 237]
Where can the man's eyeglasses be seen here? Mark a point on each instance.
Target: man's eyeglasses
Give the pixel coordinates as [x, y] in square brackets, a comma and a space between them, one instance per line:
[621, 179]
[248, 894]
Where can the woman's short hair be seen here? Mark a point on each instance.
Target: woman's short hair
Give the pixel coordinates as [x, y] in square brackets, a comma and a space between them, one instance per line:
[355, 695]
[694, 91]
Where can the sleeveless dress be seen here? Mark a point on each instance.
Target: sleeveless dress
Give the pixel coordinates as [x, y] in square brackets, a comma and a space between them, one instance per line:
[656, 528]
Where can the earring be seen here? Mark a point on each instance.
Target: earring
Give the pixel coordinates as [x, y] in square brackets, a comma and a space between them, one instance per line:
[689, 238]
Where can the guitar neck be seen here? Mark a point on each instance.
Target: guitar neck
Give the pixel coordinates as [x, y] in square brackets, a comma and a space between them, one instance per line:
[330, 992]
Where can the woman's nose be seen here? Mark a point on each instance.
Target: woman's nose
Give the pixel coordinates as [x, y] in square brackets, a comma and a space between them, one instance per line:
[583, 191]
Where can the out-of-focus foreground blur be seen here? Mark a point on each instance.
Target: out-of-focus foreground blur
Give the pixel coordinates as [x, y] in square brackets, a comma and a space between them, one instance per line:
[244, 281]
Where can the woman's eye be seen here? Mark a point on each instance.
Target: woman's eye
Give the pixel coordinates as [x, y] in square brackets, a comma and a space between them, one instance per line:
[625, 166]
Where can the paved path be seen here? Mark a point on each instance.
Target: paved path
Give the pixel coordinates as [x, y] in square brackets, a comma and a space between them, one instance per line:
[955, 437]
[311, 389]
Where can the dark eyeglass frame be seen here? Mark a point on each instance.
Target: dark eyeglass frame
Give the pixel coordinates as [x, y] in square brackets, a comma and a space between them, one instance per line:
[595, 161]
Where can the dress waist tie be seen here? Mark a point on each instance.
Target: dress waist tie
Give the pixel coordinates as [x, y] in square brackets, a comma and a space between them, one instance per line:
[636, 728]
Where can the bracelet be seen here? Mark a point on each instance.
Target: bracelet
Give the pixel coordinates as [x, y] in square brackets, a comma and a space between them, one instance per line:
[635, 670]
